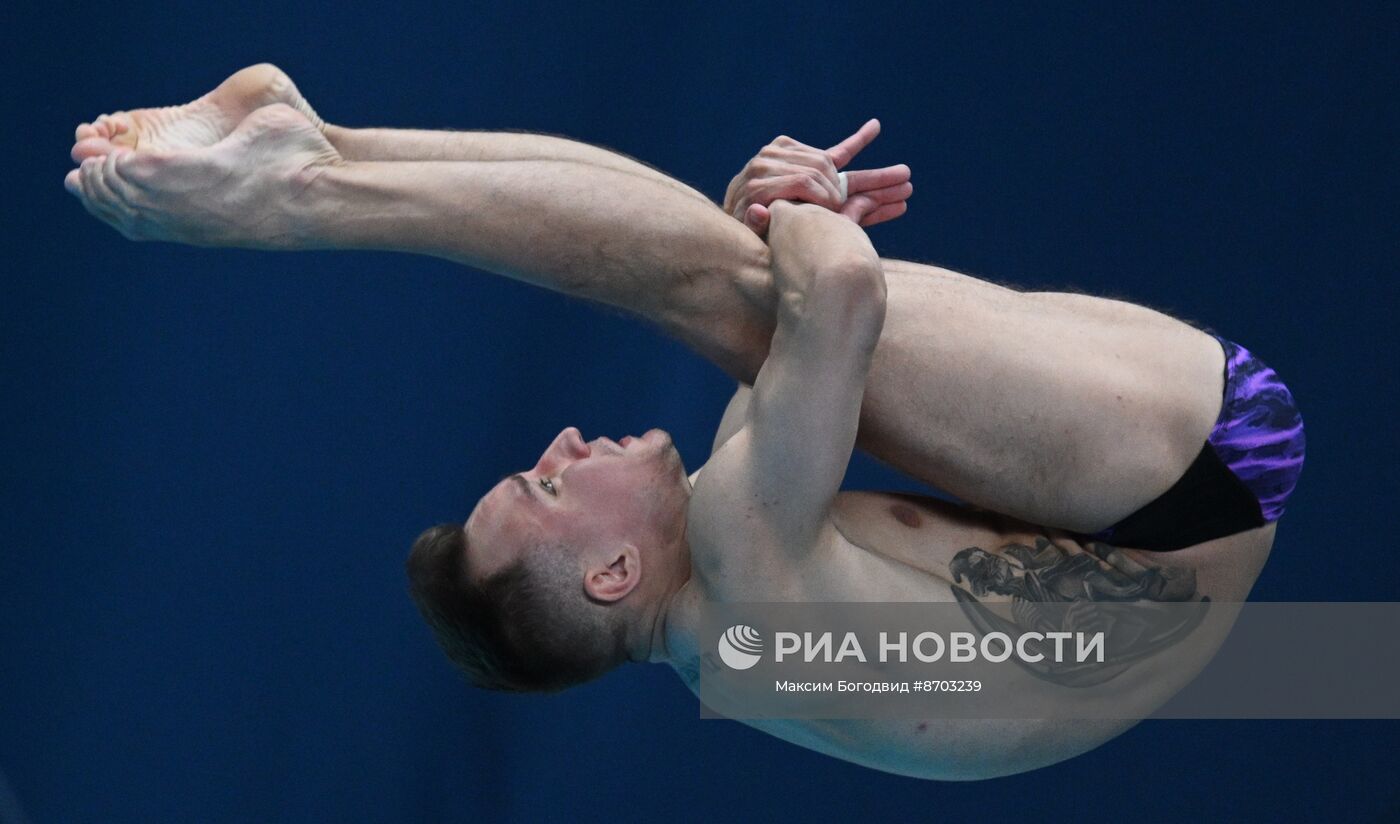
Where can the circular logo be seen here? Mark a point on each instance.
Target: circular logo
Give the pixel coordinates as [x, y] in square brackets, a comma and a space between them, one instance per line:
[740, 647]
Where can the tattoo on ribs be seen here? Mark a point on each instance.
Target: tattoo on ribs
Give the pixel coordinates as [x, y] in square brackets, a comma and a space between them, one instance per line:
[1140, 609]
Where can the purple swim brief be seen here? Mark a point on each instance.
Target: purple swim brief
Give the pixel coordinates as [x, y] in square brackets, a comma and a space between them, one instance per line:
[1259, 434]
[1243, 475]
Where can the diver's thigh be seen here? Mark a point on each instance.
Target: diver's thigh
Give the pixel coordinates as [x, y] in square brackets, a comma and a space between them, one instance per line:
[1065, 410]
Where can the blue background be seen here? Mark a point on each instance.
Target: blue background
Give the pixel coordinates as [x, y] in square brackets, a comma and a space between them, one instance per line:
[214, 461]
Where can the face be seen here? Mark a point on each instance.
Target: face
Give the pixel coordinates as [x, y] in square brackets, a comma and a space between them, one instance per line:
[592, 496]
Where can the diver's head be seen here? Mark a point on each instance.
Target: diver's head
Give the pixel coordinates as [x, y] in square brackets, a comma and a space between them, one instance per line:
[562, 570]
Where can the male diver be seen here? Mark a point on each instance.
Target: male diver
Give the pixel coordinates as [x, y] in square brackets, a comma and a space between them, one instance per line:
[1105, 450]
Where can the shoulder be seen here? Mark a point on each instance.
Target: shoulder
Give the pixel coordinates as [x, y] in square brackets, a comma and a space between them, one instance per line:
[737, 545]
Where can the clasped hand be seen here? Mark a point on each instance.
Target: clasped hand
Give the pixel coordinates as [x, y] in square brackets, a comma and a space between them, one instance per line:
[788, 170]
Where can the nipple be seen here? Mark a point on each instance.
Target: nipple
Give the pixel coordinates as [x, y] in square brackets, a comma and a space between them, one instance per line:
[906, 515]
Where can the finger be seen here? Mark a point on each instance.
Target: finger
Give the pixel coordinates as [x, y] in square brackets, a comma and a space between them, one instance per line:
[72, 185]
[857, 207]
[732, 194]
[805, 157]
[843, 152]
[752, 187]
[766, 190]
[738, 203]
[84, 131]
[830, 187]
[757, 218]
[865, 180]
[798, 155]
[804, 187]
[891, 194]
[772, 178]
[90, 147]
[889, 211]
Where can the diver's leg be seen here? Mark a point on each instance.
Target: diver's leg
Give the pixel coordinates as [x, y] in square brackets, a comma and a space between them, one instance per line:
[1064, 410]
[1061, 409]
[211, 117]
[584, 229]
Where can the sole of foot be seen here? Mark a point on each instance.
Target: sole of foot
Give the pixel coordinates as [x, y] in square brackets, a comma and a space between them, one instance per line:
[200, 123]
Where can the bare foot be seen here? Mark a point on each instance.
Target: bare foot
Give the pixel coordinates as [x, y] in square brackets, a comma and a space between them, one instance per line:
[239, 191]
[201, 122]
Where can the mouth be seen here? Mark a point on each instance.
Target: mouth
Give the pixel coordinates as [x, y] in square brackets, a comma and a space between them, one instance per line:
[608, 445]
[651, 437]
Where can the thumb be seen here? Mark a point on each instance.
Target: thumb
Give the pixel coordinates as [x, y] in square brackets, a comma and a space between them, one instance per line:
[857, 207]
[757, 218]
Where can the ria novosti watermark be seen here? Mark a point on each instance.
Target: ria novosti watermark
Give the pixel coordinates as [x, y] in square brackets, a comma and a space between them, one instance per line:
[979, 659]
[741, 647]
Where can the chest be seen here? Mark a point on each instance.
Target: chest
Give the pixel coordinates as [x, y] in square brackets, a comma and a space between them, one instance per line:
[919, 532]
[878, 547]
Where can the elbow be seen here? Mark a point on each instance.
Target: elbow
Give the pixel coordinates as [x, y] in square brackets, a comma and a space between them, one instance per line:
[852, 292]
[861, 276]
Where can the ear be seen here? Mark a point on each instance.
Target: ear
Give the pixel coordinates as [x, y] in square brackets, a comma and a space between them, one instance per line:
[612, 579]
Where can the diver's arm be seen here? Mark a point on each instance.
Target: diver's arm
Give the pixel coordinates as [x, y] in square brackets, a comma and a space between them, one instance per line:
[785, 465]
[735, 414]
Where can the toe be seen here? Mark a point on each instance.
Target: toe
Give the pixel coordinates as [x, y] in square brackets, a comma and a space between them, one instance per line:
[97, 196]
[90, 147]
[141, 169]
[102, 181]
[110, 125]
[125, 135]
[117, 128]
[85, 192]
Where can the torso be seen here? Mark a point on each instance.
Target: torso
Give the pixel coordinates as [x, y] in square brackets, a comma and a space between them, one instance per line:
[889, 548]
[899, 547]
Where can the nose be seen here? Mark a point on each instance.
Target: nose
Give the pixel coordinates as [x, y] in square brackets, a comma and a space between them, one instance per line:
[568, 446]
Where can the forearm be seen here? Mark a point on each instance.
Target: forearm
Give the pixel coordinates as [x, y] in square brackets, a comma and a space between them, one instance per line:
[810, 244]
[434, 145]
[570, 227]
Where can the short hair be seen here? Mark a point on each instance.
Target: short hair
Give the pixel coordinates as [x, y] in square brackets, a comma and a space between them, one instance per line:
[526, 628]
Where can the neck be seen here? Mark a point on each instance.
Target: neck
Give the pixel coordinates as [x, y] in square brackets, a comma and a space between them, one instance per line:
[647, 635]
[650, 630]
[664, 625]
